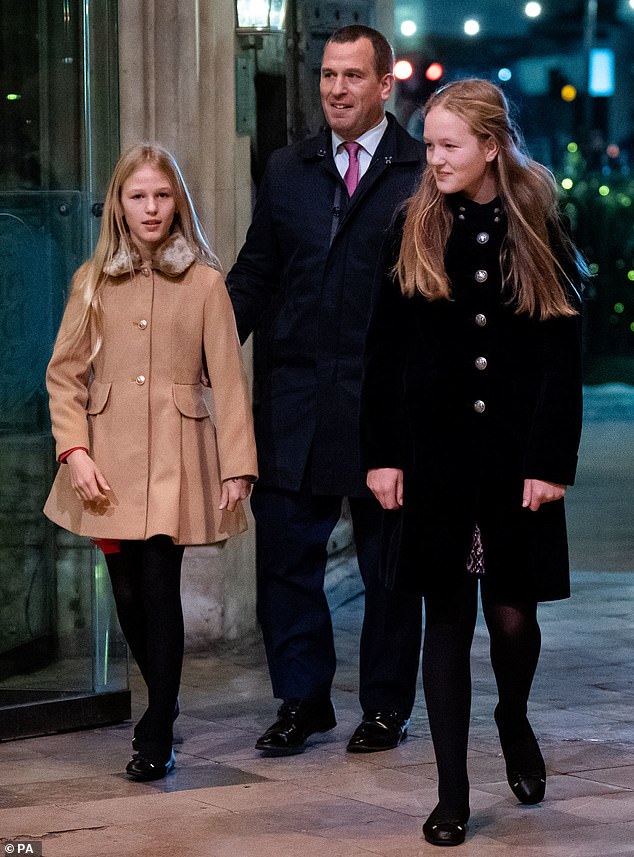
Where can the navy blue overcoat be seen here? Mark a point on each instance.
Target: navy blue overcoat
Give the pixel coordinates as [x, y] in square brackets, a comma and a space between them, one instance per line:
[304, 281]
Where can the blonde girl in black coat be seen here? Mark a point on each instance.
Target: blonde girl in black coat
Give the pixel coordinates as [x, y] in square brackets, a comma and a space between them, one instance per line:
[471, 418]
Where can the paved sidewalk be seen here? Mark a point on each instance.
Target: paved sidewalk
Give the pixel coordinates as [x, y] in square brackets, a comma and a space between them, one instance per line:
[223, 800]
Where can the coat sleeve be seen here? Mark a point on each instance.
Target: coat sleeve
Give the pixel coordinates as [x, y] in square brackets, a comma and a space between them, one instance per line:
[67, 377]
[382, 415]
[556, 426]
[232, 401]
[254, 278]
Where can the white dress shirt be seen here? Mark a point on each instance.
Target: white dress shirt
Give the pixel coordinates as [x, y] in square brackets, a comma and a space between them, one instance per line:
[369, 142]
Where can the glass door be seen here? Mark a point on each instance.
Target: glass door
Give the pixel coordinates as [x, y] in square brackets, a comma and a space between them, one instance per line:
[62, 660]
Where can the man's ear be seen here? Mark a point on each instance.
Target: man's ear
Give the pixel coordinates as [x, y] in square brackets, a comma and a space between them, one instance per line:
[387, 85]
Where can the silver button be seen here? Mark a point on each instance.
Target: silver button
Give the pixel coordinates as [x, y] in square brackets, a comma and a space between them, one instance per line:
[482, 237]
[142, 324]
[481, 363]
[479, 407]
[481, 319]
[145, 271]
[481, 276]
[461, 217]
[140, 379]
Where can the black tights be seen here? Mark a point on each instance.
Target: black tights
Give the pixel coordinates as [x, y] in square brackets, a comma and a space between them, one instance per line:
[515, 642]
[145, 578]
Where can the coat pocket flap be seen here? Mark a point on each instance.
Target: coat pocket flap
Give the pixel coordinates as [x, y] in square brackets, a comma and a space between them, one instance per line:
[192, 400]
[99, 392]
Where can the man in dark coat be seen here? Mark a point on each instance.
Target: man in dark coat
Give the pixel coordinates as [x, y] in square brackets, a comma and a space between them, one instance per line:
[303, 280]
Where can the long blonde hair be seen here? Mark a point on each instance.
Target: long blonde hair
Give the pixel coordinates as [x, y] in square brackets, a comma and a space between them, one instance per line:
[114, 234]
[531, 272]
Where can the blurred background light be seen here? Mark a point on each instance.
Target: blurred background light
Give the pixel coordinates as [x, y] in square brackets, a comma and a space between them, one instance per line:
[471, 27]
[601, 71]
[408, 28]
[434, 71]
[403, 70]
[533, 10]
[505, 74]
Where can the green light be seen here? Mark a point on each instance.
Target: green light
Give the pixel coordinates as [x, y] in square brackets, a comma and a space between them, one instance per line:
[604, 190]
[594, 268]
[625, 200]
[567, 183]
[13, 96]
[619, 308]
[632, 327]
[630, 276]
[572, 147]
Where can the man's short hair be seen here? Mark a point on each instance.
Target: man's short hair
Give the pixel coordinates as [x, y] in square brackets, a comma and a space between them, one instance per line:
[383, 53]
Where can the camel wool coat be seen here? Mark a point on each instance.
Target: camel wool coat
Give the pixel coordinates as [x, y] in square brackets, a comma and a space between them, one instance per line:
[163, 408]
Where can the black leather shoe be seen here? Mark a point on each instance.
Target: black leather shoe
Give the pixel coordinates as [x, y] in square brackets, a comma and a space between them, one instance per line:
[140, 767]
[446, 828]
[379, 730]
[528, 787]
[525, 769]
[297, 719]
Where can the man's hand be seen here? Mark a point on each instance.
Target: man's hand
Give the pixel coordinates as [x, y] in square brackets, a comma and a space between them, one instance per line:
[386, 483]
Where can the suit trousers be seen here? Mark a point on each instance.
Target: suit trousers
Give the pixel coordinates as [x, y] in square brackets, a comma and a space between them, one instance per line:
[292, 532]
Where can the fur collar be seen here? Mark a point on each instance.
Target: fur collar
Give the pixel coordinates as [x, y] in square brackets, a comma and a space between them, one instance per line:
[172, 258]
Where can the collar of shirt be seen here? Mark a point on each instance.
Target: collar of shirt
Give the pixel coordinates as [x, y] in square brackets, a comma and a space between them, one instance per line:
[369, 141]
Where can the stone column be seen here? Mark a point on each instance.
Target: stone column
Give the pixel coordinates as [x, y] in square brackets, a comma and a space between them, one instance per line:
[176, 82]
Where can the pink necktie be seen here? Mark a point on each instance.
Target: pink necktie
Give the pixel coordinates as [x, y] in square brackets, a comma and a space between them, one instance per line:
[351, 177]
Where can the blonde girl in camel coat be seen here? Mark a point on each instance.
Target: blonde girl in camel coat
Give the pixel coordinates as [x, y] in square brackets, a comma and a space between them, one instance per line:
[152, 419]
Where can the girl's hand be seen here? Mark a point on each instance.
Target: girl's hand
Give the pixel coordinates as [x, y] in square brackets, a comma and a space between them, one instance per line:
[237, 488]
[537, 492]
[87, 480]
[386, 483]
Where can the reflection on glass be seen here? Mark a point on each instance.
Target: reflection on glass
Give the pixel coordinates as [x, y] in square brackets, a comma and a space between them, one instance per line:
[59, 638]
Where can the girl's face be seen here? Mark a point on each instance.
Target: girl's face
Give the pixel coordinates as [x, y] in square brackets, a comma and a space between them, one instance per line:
[460, 161]
[147, 200]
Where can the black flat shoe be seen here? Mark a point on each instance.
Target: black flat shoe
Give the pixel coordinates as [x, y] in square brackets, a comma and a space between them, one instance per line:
[446, 827]
[297, 719]
[525, 768]
[528, 788]
[379, 730]
[142, 768]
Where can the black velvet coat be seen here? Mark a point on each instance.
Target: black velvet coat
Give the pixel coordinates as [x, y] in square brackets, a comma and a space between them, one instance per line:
[304, 281]
[469, 399]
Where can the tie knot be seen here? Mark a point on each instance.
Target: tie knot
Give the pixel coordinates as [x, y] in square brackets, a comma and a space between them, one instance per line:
[352, 149]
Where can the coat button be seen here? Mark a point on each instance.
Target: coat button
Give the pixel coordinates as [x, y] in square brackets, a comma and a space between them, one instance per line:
[481, 319]
[482, 237]
[481, 276]
[142, 324]
[140, 379]
[479, 407]
[481, 363]
[145, 271]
